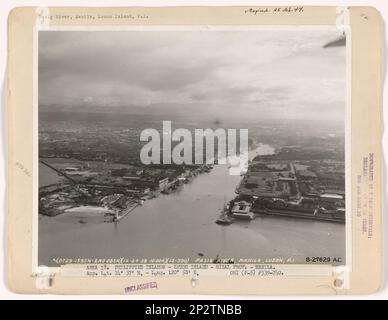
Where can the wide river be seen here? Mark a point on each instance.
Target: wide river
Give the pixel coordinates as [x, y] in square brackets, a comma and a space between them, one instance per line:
[182, 225]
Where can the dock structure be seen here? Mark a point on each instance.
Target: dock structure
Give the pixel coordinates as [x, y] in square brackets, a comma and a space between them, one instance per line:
[301, 215]
[125, 212]
[53, 188]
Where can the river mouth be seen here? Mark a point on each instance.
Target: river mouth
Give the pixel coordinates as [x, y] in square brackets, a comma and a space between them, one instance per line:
[182, 225]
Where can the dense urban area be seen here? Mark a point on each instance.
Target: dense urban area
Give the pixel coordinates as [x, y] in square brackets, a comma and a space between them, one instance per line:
[94, 162]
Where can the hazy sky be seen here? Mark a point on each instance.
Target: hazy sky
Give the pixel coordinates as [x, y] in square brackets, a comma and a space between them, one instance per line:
[266, 73]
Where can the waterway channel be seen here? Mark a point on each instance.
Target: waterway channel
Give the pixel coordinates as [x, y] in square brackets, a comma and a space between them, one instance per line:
[182, 225]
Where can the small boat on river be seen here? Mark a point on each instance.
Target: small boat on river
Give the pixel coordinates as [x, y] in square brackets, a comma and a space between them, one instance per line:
[225, 218]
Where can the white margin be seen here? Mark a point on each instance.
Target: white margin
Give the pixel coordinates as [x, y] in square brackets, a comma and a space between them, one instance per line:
[348, 152]
[35, 149]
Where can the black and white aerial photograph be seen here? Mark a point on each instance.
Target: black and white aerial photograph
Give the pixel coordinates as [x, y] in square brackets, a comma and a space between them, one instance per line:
[128, 118]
